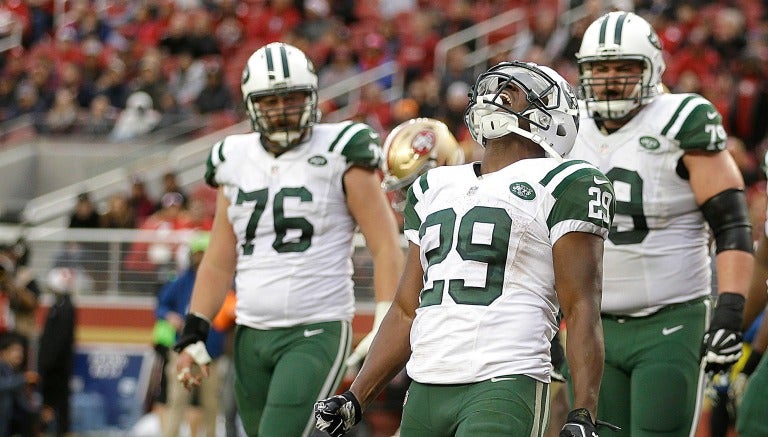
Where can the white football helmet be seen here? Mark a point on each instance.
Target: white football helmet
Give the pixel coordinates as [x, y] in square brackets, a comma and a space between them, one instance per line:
[275, 70]
[551, 113]
[412, 148]
[618, 36]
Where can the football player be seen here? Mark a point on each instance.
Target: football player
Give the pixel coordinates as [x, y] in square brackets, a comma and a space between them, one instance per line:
[675, 181]
[490, 263]
[290, 197]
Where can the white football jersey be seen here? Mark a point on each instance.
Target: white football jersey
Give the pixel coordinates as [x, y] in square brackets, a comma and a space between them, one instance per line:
[488, 306]
[657, 252]
[294, 231]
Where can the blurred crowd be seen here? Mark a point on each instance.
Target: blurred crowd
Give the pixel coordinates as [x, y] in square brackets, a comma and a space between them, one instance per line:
[119, 69]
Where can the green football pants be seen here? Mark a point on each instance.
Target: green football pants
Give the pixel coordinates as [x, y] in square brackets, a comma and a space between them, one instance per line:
[281, 373]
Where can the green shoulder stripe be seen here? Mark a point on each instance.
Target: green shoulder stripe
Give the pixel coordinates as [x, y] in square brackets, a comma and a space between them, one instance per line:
[360, 145]
[676, 115]
[584, 199]
[585, 172]
[411, 219]
[697, 125]
[215, 158]
[557, 170]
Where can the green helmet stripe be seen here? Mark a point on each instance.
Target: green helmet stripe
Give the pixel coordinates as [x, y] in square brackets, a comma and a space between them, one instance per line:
[619, 27]
[284, 59]
[603, 31]
[270, 63]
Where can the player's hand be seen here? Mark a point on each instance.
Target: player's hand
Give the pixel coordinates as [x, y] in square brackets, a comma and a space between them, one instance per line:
[195, 330]
[579, 424]
[188, 373]
[193, 360]
[362, 348]
[722, 342]
[338, 414]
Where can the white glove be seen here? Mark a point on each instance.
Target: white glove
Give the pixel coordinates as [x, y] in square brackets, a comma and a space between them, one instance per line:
[199, 353]
[362, 348]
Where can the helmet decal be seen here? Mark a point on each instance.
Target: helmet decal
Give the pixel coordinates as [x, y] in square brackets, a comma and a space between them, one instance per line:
[423, 142]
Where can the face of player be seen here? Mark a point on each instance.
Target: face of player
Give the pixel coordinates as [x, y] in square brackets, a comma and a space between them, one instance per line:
[282, 111]
[616, 80]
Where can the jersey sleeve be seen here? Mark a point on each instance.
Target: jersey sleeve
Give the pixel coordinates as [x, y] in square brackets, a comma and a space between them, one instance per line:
[361, 146]
[215, 159]
[584, 202]
[697, 125]
[411, 218]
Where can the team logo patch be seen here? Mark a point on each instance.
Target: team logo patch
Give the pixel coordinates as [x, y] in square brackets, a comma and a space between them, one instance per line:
[423, 142]
[523, 190]
[318, 160]
[649, 143]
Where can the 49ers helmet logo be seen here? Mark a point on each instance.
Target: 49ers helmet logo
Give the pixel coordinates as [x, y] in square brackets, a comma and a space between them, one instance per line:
[423, 142]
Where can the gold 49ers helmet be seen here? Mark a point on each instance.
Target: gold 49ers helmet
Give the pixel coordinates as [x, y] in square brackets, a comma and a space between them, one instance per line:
[412, 148]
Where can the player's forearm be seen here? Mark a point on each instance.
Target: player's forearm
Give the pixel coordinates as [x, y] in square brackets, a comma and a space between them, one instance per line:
[585, 354]
[734, 271]
[211, 286]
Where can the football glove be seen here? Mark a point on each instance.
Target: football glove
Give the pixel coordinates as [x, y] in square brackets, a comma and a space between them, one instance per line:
[579, 424]
[338, 414]
[193, 337]
[722, 342]
[362, 348]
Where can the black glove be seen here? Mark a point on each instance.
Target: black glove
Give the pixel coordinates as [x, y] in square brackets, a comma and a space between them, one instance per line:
[579, 424]
[338, 414]
[195, 329]
[722, 342]
[557, 353]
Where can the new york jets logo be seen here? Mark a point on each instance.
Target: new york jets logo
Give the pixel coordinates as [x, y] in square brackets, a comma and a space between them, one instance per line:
[522, 190]
[649, 143]
[318, 160]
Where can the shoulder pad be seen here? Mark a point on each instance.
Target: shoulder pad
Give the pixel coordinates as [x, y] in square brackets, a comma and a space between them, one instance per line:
[696, 125]
[359, 144]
